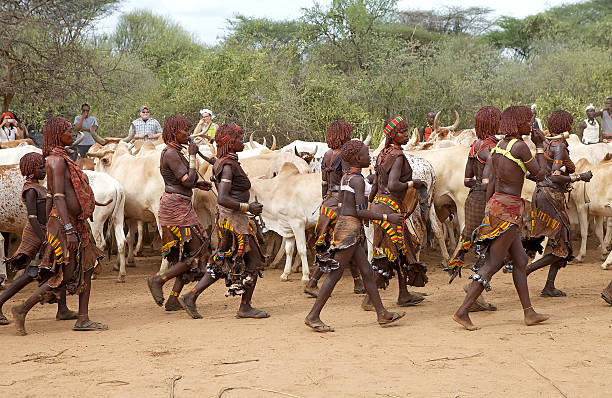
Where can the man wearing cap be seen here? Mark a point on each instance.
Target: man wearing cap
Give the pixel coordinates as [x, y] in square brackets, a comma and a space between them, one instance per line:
[205, 126]
[144, 128]
[589, 127]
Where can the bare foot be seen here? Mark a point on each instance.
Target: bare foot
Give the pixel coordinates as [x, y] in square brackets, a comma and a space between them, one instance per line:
[252, 313]
[19, 318]
[465, 321]
[407, 299]
[533, 318]
[188, 303]
[65, 314]
[366, 304]
[156, 290]
[4, 320]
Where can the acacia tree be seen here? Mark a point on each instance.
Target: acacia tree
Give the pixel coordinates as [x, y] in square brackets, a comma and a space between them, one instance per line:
[41, 48]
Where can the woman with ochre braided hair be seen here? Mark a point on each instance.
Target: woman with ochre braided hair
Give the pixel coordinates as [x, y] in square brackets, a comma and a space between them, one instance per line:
[239, 258]
[184, 241]
[346, 246]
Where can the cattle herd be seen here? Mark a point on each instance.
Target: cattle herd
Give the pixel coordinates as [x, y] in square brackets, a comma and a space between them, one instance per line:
[287, 182]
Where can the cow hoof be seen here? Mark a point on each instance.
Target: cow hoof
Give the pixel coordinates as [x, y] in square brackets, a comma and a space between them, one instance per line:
[305, 279]
[578, 260]
[604, 266]
[284, 277]
[121, 279]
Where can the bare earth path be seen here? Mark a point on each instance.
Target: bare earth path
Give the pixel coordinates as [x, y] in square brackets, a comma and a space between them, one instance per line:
[426, 355]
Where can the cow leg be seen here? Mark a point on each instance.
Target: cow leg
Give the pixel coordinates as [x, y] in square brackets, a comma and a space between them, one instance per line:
[437, 230]
[130, 242]
[608, 238]
[302, 251]
[121, 240]
[460, 216]
[369, 233]
[279, 253]
[140, 237]
[606, 264]
[583, 218]
[289, 246]
[600, 236]
[2, 258]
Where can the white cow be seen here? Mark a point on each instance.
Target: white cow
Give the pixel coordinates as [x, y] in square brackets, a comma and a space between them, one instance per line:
[14, 155]
[106, 189]
[291, 201]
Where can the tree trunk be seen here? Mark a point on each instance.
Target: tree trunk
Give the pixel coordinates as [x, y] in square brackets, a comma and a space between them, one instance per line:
[6, 101]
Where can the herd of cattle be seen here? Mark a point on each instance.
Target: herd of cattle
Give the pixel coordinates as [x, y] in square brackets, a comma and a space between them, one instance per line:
[288, 183]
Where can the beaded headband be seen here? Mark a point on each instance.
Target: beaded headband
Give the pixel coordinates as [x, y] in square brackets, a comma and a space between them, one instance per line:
[392, 124]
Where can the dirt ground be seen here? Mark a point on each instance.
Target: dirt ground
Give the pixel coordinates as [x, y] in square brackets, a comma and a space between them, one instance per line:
[425, 355]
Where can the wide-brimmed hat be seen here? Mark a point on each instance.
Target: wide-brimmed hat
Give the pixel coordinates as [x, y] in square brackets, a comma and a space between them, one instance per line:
[203, 111]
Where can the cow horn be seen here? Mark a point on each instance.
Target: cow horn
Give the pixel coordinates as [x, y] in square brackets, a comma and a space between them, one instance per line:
[313, 152]
[251, 141]
[436, 125]
[296, 151]
[98, 154]
[273, 147]
[454, 125]
[361, 137]
[265, 143]
[368, 139]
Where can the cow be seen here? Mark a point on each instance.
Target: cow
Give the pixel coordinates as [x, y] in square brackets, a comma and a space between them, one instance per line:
[143, 185]
[291, 201]
[13, 214]
[268, 165]
[16, 143]
[13, 155]
[106, 189]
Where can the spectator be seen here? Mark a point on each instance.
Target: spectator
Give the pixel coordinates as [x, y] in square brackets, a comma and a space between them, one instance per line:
[87, 126]
[537, 123]
[606, 120]
[144, 128]
[589, 128]
[426, 130]
[9, 130]
[206, 125]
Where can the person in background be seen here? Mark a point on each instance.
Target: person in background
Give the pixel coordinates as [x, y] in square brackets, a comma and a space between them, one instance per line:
[9, 129]
[206, 125]
[87, 126]
[589, 127]
[426, 129]
[537, 123]
[145, 128]
[606, 120]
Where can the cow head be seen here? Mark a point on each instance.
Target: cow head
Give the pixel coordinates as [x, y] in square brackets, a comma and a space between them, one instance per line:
[443, 131]
[307, 156]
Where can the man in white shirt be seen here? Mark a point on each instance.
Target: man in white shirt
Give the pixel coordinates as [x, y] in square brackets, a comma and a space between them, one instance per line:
[589, 127]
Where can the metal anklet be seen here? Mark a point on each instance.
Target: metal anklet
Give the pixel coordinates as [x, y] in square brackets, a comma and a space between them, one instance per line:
[481, 280]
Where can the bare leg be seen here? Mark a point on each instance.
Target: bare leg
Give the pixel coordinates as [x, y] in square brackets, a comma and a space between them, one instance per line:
[246, 310]
[188, 300]
[157, 281]
[12, 290]
[519, 276]
[63, 312]
[549, 289]
[358, 286]
[360, 260]
[493, 262]
[172, 304]
[83, 323]
[607, 294]
[541, 263]
[311, 287]
[313, 319]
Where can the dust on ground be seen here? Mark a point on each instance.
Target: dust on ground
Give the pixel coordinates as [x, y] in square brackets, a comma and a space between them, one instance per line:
[426, 355]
